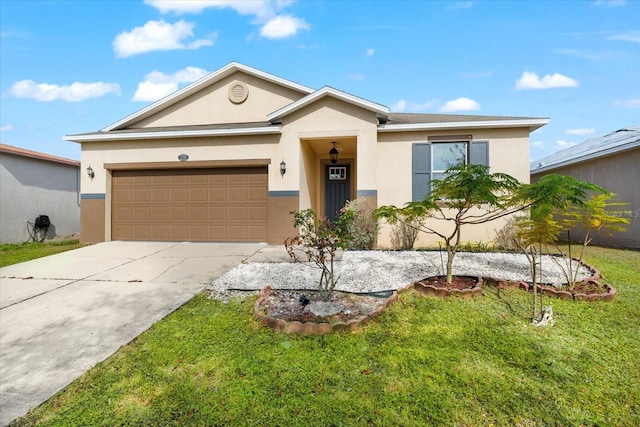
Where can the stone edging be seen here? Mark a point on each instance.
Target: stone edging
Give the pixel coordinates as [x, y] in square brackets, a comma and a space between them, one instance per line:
[550, 291]
[309, 328]
[443, 291]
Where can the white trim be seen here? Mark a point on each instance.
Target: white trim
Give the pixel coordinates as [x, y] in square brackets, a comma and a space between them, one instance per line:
[328, 91]
[198, 85]
[530, 123]
[111, 136]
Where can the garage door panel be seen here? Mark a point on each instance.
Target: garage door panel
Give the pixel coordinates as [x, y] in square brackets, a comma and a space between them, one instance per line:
[238, 194]
[179, 194]
[179, 214]
[226, 204]
[198, 195]
[142, 213]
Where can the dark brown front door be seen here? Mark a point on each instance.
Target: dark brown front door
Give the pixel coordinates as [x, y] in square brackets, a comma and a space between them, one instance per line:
[337, 189]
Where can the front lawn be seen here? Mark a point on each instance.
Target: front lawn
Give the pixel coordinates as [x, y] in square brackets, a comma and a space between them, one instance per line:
[16, 253]
[424, 361]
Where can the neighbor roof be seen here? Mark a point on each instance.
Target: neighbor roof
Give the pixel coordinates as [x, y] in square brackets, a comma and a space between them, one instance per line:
[612, 143]
[9, 149]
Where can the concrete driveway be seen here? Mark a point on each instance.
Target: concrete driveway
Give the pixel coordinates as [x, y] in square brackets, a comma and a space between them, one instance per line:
[62, 314]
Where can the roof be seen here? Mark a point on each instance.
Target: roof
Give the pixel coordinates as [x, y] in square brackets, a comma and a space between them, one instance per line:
[413, 122]
[389, 122]
[615, 142]
[200, 84]
[192, 131]
[379, 109]
[9, 149]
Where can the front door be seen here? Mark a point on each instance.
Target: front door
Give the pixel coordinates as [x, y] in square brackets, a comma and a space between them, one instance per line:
[337, 189]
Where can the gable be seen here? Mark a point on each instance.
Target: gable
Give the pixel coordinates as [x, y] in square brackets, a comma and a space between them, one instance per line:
[223, 102]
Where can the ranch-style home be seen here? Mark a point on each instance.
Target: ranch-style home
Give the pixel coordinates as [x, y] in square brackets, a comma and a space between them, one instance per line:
[230, 156]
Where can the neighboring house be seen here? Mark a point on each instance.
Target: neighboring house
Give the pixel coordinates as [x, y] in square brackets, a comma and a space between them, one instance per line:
[33, 184]
[230, 156]
[611, 161]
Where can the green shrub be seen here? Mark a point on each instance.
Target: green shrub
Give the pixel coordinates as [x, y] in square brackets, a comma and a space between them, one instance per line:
[363, 229]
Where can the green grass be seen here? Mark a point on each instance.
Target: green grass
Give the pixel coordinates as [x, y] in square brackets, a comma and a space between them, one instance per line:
[424, 361]
[16, 253]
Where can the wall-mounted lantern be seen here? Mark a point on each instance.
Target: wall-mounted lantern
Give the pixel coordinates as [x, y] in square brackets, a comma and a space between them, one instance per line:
[90, 172]
[283, 168]
[333, 154]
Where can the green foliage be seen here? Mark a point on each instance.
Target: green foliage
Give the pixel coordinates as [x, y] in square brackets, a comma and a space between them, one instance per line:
[468, 195]
[319, 239]
[363, 228]
[422, 362]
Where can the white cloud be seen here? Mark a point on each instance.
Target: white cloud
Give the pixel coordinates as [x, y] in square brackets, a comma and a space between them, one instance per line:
[266, 13]
[158, 35]
[580, 131]
[609, 3]
[253, 7]
[6, 128]
[74, 92]
[406, 106]
[356, 76]
[399, 106]
[370, 52]
[157, 85]
[283, 26]
[461, 5]
[629, 36]
[628, 103]
[460, 104]
[560, 144]
[538, 144]
[530, 80]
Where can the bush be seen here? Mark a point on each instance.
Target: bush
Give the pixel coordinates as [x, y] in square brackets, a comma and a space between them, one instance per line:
[405, 232]
[364, 228]
[507, 235]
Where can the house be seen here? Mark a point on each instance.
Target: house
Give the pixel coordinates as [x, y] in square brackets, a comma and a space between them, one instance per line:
[34, 184]
[610, 161]
[230, 156]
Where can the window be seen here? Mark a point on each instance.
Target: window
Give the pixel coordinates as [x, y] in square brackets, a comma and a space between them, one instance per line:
[445, 155]
[431, 159]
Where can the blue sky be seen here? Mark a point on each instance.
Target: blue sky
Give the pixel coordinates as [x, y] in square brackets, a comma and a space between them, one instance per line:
[71, 67]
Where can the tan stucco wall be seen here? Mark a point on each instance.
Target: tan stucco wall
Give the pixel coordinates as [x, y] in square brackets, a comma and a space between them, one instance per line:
[314, 128]
[211, 105]
[92, 220]
[618, 174]
[508, 153]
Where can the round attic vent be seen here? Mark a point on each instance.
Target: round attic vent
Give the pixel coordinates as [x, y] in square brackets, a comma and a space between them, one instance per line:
[238, 92]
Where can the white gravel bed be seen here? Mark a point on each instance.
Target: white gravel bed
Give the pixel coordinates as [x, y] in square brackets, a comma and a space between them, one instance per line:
[373, 271]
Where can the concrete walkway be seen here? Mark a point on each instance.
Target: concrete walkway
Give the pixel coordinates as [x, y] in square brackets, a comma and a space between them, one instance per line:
[62, 314]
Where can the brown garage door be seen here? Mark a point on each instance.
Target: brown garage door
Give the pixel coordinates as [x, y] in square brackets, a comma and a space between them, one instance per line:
[222, 204]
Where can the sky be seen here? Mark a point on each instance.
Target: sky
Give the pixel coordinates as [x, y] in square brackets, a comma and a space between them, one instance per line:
[69, 67]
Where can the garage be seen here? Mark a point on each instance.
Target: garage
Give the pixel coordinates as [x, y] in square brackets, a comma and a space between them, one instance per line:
[209, 204]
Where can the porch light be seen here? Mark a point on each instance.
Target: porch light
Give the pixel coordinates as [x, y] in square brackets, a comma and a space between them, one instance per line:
[90, 172]
[333, 153]
[283, 168]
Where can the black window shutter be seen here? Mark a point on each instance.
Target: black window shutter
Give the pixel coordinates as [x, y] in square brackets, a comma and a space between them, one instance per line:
[479, 153]
[421, 171]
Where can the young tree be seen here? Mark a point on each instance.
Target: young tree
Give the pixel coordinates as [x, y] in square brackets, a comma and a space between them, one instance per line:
[319, 239]
[469, 194]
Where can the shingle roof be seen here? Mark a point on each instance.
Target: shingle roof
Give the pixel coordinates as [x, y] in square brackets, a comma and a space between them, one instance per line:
[601, 146]
[412, 118]
[9, 149]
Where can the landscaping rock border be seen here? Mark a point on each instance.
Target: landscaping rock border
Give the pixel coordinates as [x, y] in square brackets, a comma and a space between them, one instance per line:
[308, 328]
[551, 291]
[443, 291]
